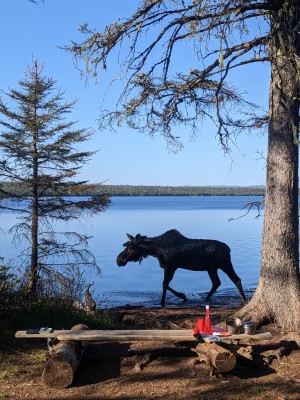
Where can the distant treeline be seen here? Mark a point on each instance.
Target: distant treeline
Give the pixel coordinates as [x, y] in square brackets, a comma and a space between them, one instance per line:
[131, 190]
[128, 190]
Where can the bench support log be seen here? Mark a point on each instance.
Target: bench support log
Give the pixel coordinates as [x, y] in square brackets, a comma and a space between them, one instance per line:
[218, 358]
[65, 358]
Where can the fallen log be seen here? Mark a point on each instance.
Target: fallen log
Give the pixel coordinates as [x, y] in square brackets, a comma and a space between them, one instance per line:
[218, 358]
[65, 358]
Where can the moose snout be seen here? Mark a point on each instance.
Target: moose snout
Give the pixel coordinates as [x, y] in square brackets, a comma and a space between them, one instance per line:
[121, 262]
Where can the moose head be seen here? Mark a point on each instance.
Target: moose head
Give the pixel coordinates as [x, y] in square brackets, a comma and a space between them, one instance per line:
[134, 250]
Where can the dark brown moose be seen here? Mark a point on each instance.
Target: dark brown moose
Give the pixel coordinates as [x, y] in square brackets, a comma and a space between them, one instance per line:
[173, 250]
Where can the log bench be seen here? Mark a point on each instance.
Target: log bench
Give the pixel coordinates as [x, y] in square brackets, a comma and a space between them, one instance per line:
[70, 345]
[130, 335]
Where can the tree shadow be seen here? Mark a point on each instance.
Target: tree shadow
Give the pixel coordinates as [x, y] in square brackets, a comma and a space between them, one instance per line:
[263, 356]
[101, 361]
[243, 371]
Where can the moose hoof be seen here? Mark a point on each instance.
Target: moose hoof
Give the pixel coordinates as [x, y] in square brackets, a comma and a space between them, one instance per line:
[182, 296]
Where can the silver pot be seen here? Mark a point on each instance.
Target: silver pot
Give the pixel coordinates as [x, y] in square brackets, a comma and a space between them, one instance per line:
[234, 325]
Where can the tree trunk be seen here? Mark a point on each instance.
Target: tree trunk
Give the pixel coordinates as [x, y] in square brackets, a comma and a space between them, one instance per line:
[35, 215]
[33, 279]
[277, 297]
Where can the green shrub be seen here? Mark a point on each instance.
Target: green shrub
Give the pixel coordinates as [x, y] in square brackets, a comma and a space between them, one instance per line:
[19, 310]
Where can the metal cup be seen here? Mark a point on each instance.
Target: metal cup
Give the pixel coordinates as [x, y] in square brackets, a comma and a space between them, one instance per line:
[249, 327]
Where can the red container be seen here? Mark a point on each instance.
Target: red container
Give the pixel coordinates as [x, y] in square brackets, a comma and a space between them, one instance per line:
[200, 325]
[207, 323]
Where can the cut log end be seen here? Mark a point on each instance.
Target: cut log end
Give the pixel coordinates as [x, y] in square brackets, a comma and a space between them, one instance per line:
[224, 362]
[216, 356]
[58, 373]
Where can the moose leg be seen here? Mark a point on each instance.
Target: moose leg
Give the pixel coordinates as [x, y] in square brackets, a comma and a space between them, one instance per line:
[178, 294]
[215, 280]
[168, 276]
[236, 280]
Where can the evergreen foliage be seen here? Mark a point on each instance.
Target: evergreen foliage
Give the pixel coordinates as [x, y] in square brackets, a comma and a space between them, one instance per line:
[38, 156]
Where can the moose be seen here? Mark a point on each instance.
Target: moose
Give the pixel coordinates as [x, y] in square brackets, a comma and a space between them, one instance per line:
[173, 250]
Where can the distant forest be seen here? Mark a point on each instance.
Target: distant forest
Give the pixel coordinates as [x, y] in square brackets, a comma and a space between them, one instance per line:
[140, 190]
[128, 190]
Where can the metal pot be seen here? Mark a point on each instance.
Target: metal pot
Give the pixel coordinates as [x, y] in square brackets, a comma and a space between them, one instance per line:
[234, 325]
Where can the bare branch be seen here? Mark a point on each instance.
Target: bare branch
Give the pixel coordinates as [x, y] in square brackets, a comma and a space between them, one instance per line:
[258, 205]
[156, 98]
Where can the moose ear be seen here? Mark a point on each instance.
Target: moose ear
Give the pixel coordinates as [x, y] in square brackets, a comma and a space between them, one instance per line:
[130, 237]
[140, 238]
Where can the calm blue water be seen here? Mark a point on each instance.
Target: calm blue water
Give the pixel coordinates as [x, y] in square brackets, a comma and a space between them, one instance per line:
[194, 217]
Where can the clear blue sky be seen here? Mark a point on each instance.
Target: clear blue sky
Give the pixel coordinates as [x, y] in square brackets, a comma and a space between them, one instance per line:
[29, 31]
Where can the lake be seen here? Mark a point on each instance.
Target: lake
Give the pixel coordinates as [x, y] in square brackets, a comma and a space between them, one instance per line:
[209, 217]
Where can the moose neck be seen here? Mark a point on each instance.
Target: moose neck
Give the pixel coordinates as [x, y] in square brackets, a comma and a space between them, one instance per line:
[151, 247]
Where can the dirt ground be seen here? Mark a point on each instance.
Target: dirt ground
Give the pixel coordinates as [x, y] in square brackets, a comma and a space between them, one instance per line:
[158, 370]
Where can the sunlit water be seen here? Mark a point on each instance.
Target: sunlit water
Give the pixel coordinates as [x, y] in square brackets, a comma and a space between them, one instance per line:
[194, 217]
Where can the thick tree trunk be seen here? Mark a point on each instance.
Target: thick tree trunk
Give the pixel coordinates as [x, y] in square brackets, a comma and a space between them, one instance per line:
[277, 296]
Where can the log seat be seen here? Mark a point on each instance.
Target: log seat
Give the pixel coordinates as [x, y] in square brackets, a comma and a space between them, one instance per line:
[129, 335]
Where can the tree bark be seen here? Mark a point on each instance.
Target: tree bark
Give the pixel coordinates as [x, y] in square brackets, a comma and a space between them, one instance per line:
[66, 356]
[33, 279]
[277, 297]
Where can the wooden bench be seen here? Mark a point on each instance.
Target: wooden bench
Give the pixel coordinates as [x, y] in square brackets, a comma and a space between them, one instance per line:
[131, 335]
[70, 345]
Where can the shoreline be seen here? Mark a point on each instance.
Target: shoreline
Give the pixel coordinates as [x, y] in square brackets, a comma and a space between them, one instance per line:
[151, 299]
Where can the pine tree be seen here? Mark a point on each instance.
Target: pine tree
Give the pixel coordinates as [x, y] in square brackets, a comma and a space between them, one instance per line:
[40, 161]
